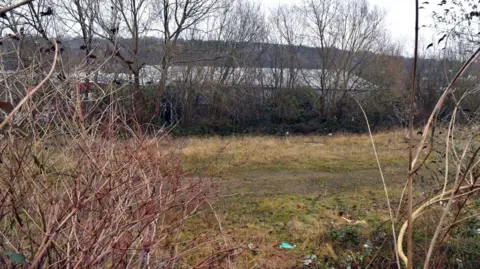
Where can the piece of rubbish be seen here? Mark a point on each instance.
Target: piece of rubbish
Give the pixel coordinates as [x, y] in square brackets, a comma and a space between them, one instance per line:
[347, 220]
[355, 222]
[252, 248]
[17, 258]
[286, 245]
[459, 263]
[309, 259]
[368, 247]
[367, 244]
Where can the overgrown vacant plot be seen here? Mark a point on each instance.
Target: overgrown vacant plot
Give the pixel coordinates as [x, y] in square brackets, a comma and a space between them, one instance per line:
[297, 189]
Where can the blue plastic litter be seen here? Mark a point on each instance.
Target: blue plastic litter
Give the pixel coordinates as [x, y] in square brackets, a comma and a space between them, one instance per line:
[286, 245]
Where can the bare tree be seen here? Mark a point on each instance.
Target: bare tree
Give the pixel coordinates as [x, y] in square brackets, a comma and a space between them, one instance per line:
[124, 26]
[346, 34]
[79, 19]
[176, 17]
[219, 69]
[288, 35]
[241, 34]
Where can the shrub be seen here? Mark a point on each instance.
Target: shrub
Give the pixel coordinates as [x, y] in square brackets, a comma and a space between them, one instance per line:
[73, 194]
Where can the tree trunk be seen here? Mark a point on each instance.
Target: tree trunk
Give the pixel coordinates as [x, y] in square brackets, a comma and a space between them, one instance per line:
[160, 94]
[163, 81]
[137, 96]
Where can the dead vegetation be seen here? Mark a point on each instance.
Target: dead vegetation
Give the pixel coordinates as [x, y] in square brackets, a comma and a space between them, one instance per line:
[73, 197]
[343, 152]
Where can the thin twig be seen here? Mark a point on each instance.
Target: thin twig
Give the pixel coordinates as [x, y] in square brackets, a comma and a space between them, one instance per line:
[383, 179]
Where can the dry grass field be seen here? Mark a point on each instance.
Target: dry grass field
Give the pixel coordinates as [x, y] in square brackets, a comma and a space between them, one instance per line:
[338, 153]
[297, 189]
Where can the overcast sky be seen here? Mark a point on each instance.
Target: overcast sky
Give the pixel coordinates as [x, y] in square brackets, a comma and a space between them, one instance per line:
[400, 18]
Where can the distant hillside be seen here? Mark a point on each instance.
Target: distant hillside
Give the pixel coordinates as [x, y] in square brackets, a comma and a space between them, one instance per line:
[197, 52]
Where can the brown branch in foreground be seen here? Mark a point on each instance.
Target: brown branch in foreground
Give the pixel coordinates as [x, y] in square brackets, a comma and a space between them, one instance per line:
[32, 91]
[426, 129]
[410, 143]
[417, 212]
[14, 6]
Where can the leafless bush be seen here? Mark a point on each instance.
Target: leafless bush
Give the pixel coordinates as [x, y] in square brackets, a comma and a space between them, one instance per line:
[72, 194]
